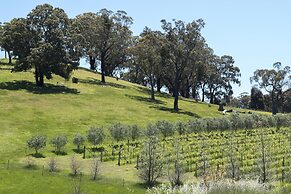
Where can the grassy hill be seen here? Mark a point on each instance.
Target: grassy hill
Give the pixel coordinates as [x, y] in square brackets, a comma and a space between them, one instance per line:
[62, 107]
[66, 108]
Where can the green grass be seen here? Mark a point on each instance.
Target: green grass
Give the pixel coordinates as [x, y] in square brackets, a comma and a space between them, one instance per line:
[63, 107]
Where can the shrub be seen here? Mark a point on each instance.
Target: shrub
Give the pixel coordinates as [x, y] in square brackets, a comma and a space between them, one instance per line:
[52, 164]
[95, 135]
[151, 130]
[95, 168]
[166, 128]
[59, 142]
[134, 132]
[75, 166]
[118, 132]
[181, 128]
[78, 140]
[37, 142]
[30, 162]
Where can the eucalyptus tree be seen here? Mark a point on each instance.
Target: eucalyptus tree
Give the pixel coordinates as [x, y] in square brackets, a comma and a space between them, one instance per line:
[105, 37]
[14, 37]
[85, 29]
[221, 75]
[273, 81]
[147, 56]
[177, 52]
[42, 41]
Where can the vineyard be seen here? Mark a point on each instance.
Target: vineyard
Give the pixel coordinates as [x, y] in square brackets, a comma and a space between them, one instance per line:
[261, 153]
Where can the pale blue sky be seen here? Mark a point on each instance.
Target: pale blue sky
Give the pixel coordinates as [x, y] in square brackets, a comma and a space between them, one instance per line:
[256, 33]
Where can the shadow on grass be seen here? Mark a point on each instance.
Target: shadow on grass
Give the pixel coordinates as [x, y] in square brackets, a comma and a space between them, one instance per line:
[61, 153]
[144, 99]
[37, 155]
[31, 87]
[171, 110]
[31, 167]
[80, 151]
[98, 82]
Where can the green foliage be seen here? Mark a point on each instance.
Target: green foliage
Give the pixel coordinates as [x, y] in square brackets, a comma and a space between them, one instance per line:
[42, 41]
[37, 142]
[181, 128]
[95, 135]
[151, 131]
[273, 81]
[78, 140]
[59, 142]
[105, 37]
[134, 132]
[118, 131]
[166, 128]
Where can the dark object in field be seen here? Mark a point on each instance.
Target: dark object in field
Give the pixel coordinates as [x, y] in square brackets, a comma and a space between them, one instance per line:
[75, 80]
[220, 108]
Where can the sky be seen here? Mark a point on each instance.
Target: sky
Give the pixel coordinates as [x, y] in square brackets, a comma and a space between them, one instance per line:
[256, 33]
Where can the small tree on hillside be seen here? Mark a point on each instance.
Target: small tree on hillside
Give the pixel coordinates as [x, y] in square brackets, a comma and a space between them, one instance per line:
[78, 140]
[95, 168]
[118, 132]
[151, 130]
[134, 132]
[175, 174]
[37, 142]
[59, 142]
[95, 135]
[151, 164]
[181, 128]
[166, 128]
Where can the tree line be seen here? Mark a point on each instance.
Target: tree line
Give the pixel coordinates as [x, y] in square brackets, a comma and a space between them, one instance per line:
[177, 59]
[277, 86]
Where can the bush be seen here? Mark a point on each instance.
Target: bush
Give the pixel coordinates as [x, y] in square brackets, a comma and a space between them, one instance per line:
[151, 130]
[95, 135]
[59, 143]
[78, 140]
[52, 164]
[37, 142]
[30, 162]
[166, 128]
[75, 166]
[118, 132]
[134, 132]
[181, 128]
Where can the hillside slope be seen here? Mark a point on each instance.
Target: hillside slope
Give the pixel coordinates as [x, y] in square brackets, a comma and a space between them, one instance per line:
[66, 108]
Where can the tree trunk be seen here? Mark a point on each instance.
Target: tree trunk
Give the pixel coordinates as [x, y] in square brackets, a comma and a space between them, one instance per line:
[152, 89]
[176, 92]
[187, 91]
[203, 92]
[274, 107]
[159, 84]
[102, 69]
[41, 80]
[10, 57]
[194, 91]
[119, 156]
[36, 75]
[176, 95]
[92, 61]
